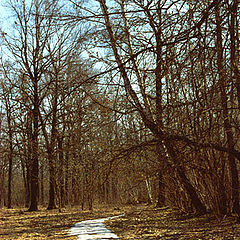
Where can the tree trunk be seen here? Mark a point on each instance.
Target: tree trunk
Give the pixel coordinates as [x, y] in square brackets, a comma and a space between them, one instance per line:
[42, 185]
[2, 179]
[196, 202]
[28, 159]
[226, 116]
[234, 37]
[162, 159]
[52, 185]
[25, 173]
[61, 172]
[34, 186]
[156, 128]
[190, 190]
[34, 172]
[149, 190]
[10, 144]
[75, 183]
[160, 195]
[28, 174]
[67, 177]
[10, 163]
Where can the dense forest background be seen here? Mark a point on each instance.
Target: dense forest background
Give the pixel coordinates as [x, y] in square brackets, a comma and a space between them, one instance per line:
[120, 101]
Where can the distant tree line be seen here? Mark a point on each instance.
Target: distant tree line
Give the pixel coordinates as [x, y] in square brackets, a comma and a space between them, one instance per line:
[125, 101]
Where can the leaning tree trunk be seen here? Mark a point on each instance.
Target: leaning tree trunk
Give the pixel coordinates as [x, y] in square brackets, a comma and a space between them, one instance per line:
[156, 128]
[189, 188]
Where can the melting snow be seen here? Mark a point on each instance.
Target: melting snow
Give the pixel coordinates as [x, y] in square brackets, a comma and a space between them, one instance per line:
[93, 229]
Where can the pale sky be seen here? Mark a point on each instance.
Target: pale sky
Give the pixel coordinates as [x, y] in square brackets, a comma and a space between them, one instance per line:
[4, 15]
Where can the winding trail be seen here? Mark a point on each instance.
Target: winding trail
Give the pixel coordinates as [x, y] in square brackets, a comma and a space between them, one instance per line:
[93, 229]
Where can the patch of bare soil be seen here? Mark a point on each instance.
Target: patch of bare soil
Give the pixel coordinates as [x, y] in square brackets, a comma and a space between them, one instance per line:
[52, 225]
[163, 223]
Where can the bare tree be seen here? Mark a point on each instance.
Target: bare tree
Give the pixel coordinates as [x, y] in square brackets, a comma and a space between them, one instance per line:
[27, 46]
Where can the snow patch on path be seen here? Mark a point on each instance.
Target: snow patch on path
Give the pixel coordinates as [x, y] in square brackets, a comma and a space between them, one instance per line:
[93, 229]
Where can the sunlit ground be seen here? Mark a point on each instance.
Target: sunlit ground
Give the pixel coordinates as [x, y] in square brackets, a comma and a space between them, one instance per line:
[139, 222]
[148, 222]
[20, 224]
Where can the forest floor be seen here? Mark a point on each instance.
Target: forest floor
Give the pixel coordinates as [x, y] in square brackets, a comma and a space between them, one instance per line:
[147, 222]
[46, 224]
[139, 222]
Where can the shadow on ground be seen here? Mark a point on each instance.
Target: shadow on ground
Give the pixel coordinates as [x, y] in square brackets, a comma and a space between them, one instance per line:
[166, 224]
[43, 224]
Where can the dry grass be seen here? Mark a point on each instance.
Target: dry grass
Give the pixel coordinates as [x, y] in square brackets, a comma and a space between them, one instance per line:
[53, 225]
[139, 222]
[151, 223]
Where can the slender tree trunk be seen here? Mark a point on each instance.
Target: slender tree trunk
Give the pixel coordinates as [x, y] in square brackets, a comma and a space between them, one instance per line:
[26, 182]
[10, 164]
[67, 177]
[234, 37]
[28, 159]
[75, 184]
[162, 163]
[61, 171]
[51, 147]
[149, 190]
[28, 164]
[114, 189]
[24, 174]
[227, 124]
[10, 145]
[42, 185]
[2, 179]
[34, 186]
[52, 185]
